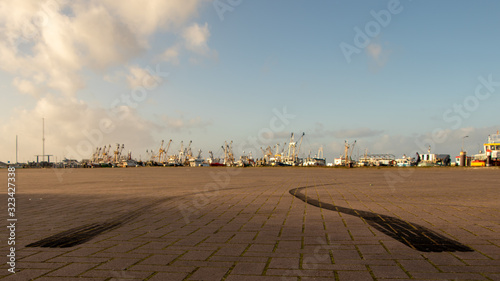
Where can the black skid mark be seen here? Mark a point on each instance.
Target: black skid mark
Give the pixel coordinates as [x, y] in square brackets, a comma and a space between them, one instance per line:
[413, 235]
[82, 234]
[75, 236]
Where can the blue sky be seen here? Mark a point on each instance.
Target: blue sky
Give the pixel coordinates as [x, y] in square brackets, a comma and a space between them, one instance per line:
[229, 72]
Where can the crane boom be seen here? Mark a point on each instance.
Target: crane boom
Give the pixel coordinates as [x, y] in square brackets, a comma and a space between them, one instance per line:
[300, 144]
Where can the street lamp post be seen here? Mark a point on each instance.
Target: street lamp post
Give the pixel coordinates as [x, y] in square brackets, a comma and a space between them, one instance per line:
[463, 142]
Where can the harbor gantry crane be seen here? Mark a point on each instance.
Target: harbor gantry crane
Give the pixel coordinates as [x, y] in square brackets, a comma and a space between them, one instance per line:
[117, 153]
[165, 156]
[293, 150]
[98, 155]
[189, 153]
[300, 144]
[228, 153]
[159, 156]
[267, 155]
[95, 155]
[102, 153]
[348, 152]
[105, 154]
[282, 153]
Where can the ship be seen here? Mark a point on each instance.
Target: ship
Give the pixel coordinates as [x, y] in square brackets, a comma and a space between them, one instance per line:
[432, 159]
[491, 154]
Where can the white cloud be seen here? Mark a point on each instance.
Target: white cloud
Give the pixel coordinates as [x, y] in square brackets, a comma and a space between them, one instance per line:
[140, 77]
[374, 50]
[196, 38]
[48, 45]
[102, 39]
[26, 87]
[356, 133]
[378, 54]
[171, 55]
[145, 17]
[182, 123]
[62, 38]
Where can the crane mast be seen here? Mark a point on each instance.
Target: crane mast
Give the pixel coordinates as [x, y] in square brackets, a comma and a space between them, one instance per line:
[166, 150]
[300, 144]
[348, 153]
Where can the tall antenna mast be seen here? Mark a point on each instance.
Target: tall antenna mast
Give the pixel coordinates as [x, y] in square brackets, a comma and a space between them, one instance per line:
[43, 139]
[16, 149]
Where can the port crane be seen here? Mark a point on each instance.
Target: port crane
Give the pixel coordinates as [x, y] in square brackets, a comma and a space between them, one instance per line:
[300, 144]
[348, 152]
[188, 154]
[165, 157]
[162, 152]
[293, 150]
[117, 153]
[228, 153]
[105, 154]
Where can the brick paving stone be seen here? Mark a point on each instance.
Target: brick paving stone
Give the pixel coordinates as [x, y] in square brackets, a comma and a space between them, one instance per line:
[471, 268]
[493, 276]
[284, 272]
[117, 274]
[284, 263]
[87, 259]
[372, 249]
[354, 275]
[26, 274]
[237, 277]
[448, 276]
[41, 265]
[346, 255]
[163, 276]
[443, 259]
[247, 268]
[183, 263]
[195, 255]
[418, 266]
[382, 271]
[266, 248]
[209, 273]
[42, 256]
[232, 250]
[118, 264]
[70, 279]
[272, 255]
[161, 268]
[262, 258]
[159, 259]
[71, 270]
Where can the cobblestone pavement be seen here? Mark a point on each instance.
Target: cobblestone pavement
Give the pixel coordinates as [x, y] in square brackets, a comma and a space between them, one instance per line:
[255, 224]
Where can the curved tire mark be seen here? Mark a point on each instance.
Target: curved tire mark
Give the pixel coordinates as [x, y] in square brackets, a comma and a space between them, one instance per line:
[412, 235]
[85, 233]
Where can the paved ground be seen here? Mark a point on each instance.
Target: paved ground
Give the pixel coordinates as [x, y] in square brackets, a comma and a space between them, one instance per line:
[245, 224]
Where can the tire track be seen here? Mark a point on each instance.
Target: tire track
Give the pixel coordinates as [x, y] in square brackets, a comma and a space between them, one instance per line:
[85, 233]
[412, 235]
